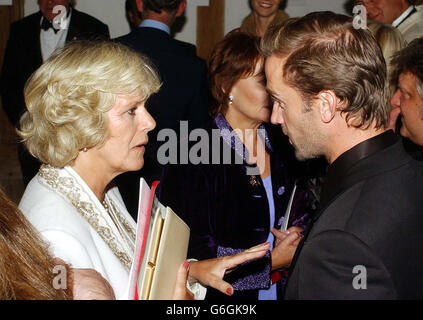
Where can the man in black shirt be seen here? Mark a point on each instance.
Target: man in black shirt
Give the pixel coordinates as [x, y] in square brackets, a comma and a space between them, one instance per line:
[328, 83]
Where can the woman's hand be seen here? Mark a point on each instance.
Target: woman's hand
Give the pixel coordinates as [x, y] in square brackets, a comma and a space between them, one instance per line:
[210, 272]
[181, 292]
[285, 245]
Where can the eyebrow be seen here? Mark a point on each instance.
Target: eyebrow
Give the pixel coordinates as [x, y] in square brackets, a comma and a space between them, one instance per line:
[270, 92]
[404, 90]
[273, 95]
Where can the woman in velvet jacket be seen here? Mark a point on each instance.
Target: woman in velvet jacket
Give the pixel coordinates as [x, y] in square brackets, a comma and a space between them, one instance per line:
[232, 205]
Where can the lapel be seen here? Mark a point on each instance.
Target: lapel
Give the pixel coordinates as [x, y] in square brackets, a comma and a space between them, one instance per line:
[376, 155]
[33, 38]
[408, 16]
[68, 184]
[282, 182]
[73, 31]
[281, 186]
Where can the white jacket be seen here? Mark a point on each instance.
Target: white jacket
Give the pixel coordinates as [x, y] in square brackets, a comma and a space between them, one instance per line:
[78, 227]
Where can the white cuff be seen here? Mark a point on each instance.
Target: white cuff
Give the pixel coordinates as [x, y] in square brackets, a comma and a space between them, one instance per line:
[197, 289]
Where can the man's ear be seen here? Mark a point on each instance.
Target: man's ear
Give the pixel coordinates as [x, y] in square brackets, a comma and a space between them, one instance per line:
[181, 8]
[140, 5]
[327, 103]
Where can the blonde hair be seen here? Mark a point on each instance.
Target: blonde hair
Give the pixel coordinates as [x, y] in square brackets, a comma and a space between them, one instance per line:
[390, 41]
[26, 266]
[68, 96]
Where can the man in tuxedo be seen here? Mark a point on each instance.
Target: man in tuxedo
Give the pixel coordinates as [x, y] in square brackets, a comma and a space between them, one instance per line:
[402, 14]
[328, 83]
[184, 92]
[32, 40]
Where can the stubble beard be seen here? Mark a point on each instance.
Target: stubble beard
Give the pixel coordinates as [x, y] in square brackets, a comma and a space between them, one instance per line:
[310, 145]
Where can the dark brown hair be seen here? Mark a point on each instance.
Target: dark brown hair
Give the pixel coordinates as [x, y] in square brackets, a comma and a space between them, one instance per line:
[26, 267]
[233, 58]
[159, 5]
[409, 59]
[324, 51]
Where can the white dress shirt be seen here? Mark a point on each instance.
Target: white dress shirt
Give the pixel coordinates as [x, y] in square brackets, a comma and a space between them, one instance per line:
[410, 24]
[402, 16]
[50, 40]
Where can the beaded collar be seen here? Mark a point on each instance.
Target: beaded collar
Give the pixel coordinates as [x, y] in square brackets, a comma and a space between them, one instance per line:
[226, 132]
[234, 141]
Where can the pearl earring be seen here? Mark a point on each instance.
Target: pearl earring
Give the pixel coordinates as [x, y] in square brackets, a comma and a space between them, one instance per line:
[231, 99]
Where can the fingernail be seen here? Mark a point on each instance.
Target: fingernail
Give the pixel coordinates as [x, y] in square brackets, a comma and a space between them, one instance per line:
[186, 265]
[229, 291]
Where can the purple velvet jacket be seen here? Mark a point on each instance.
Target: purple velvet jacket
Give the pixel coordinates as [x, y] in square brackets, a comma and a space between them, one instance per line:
[227, 210]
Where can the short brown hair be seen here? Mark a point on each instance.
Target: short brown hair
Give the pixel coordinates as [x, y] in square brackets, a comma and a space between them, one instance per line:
[233, 58]
[157, 6]
[324, 51]
[409, 59]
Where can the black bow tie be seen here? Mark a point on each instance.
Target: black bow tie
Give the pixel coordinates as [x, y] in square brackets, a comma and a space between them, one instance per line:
[45, 25]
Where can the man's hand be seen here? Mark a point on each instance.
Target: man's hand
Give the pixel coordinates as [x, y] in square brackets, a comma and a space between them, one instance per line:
[285, 246]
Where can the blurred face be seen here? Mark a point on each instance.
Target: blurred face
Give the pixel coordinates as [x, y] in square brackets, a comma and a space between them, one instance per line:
[128, 124]
[47, 6]
[386, 11]
[251, 101]
[411, 105]
[288, 112]
[265, 8]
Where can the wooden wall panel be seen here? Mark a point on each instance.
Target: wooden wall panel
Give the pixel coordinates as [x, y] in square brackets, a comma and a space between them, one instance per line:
[10, 172]
[8, 14]
[210, 26]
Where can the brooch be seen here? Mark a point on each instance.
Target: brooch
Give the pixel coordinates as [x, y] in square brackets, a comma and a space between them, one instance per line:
[254, 181]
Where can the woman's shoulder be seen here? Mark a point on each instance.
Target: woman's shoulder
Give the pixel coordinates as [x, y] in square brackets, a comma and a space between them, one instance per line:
[48, 210]
[247, 24]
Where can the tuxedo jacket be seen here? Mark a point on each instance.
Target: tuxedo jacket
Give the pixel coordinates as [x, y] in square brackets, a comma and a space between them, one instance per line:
[365, 242]
[23, 55]
[184, 96]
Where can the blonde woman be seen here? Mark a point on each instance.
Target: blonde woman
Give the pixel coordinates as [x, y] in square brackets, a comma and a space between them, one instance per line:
[263, 14]
[390, 41]
[87, 123]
